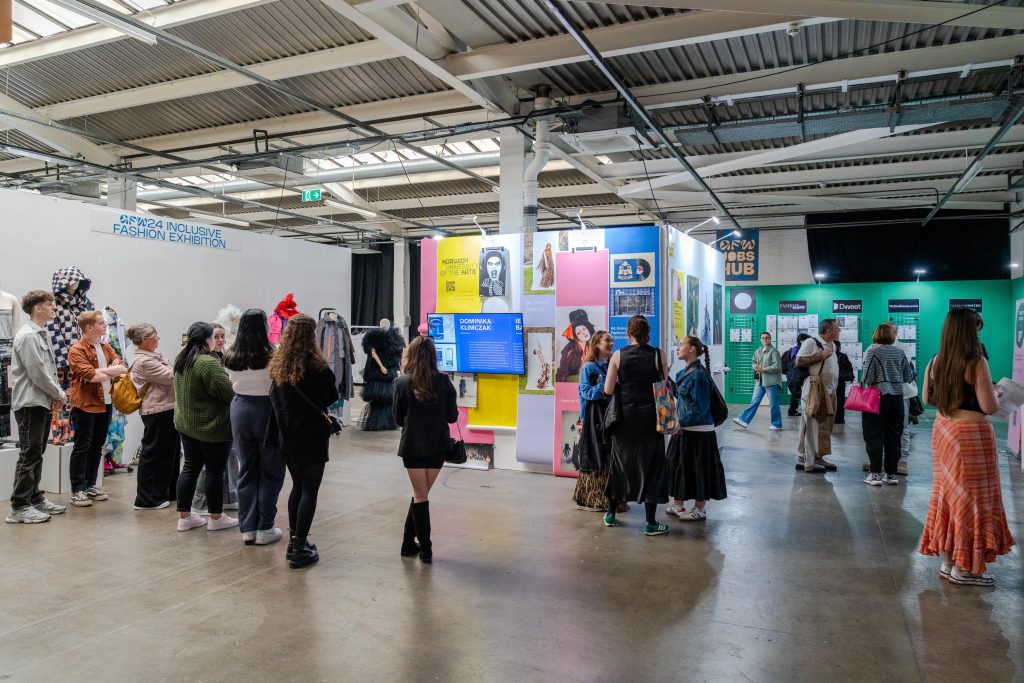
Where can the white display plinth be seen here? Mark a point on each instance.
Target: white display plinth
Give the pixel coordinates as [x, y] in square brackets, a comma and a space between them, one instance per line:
[57, 469]
[8, 461]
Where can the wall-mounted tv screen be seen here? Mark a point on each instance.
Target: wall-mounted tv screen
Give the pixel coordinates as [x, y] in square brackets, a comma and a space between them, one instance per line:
[489, 343]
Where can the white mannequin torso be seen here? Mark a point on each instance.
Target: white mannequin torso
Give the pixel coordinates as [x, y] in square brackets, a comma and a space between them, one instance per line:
[10, 315]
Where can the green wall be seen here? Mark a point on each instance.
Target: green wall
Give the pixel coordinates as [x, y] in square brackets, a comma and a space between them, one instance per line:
[998, 297]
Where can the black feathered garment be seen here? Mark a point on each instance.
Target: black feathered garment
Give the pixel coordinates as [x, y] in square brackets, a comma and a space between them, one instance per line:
[378, 387]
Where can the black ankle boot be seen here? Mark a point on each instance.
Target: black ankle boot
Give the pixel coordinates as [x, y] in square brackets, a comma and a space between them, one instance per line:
[303, 554]
[291, 546]
[410, 548]
[421, 520]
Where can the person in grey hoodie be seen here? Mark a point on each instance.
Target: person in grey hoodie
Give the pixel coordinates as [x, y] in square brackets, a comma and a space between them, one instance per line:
[767, 367]
[35, 391]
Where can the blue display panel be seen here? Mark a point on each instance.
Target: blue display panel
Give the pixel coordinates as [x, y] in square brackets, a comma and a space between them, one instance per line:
[489, 343]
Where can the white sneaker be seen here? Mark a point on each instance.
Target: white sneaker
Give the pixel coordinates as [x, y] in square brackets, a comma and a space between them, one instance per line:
[49, 508]
[775, 429]
[27, 515]
[191, 522]
[891, 480]
[963, 578]
[96, 493]
[223, 522]
[694, 515]
[946, 569]
[80, 500]
[740, 422]
[268, 536]
[675, 510]
[249, 537]
[873, 479]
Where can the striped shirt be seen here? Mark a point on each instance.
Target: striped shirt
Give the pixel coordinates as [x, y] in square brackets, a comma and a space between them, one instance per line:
[886, 368]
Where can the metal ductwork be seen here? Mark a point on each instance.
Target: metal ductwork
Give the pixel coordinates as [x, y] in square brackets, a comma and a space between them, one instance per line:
[541, 154]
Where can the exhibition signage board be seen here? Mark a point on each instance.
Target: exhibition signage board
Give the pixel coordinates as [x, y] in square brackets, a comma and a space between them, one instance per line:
[490, 343]
[159, 229]
[793, 306]
[847, 306]
[904, 305]
[973, 304]
[741, 253]
[311, 195]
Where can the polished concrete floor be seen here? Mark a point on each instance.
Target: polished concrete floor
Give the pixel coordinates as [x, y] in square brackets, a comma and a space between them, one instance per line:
[794, 577]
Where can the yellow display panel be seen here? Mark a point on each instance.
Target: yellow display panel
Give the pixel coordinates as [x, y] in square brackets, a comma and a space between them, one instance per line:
[496, 401]
[458, 275]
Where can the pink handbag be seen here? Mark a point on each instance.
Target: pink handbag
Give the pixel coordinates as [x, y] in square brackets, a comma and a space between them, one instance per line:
[864, 399]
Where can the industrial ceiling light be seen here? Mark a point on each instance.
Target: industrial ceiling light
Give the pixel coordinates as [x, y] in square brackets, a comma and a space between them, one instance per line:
[818, 277]
[91, 11]
[919, 272]
[437, 236]
[708, 220]
[483, 233]
[579, 217]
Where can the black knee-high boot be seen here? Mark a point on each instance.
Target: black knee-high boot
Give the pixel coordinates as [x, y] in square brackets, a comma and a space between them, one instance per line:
[421, 520]
[410, 547]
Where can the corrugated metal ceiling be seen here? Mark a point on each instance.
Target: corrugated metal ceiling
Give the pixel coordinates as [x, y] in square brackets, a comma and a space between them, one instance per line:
[521, 20]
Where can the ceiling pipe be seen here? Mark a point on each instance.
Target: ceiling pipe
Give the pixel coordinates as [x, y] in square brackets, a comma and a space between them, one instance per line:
[541, 154]
[968, 175]
[635, 105]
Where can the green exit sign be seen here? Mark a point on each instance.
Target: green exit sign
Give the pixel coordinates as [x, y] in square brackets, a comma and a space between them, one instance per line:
[311, 195]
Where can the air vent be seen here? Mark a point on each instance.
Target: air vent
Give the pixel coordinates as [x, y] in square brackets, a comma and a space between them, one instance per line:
[279, 169]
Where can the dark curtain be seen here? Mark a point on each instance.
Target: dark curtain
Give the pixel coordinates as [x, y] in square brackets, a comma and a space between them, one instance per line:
[373, 286]
[889, 245]
[414, 289]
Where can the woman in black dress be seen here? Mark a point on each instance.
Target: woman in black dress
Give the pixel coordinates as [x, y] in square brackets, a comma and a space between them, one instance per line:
[424, 406]
[638, 448]
[303, 388]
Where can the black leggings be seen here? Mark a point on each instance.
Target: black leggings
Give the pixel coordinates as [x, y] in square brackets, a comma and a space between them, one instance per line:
[306, 479]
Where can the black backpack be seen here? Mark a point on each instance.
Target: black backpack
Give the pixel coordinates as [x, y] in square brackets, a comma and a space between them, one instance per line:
[797, 374]
[845, 368]
[719, 410]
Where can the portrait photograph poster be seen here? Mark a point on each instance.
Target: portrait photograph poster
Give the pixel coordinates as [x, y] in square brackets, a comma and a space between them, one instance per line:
[581, 322]
[539, 347]
[465, 389]
[567, 430]
[692, 306]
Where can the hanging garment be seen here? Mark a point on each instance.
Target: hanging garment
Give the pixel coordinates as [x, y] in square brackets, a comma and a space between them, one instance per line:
[228, 318]
[285, 309]
[335, 342]
[117, 338]
[6, 390]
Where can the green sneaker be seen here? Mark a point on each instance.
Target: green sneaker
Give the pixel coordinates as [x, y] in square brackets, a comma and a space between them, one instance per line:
[609, 520]
[655, 529]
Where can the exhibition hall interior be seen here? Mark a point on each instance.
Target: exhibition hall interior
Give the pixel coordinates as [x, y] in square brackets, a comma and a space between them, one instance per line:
[511, 340]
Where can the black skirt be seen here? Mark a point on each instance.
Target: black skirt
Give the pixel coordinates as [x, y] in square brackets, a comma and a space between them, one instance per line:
[435, 462]
[695, 469]
[638, 467]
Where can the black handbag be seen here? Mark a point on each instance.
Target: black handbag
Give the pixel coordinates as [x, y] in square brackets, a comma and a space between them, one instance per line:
[333, 423]
[457, 451]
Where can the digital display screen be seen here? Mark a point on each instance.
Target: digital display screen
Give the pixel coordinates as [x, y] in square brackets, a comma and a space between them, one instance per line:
[489, 343]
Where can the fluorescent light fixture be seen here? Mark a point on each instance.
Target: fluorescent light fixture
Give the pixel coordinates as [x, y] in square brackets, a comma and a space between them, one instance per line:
[98, 15]
[349, 207]
[919, 271]
[438, 236]
[579, 217]
[736, 233]
[219, 219]
[819, 276]
[1015, 265]
[715, 219]
[703, 222]
[603, 158]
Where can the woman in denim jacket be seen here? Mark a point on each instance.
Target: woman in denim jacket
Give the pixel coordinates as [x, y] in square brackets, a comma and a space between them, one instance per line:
[695, 468]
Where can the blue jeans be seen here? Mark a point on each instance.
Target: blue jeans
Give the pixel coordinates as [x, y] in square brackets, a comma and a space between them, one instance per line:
[773, 400]
[260, 468]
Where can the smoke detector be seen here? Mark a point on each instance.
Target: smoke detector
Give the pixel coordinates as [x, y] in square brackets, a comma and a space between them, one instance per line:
[793, 30]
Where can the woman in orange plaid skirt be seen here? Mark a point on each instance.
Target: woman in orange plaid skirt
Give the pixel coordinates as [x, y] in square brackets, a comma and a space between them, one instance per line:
[966, 521]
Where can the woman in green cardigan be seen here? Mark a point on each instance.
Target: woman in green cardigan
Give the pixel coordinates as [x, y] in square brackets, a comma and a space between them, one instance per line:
[767, 365]
[202, 415]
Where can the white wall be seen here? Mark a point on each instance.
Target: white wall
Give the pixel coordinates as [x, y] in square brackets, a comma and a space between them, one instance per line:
[168, 285]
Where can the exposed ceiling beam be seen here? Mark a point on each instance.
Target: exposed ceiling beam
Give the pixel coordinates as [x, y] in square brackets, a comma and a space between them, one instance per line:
[904, 11]
[89, 36]
[615, 41]
[758, 159]
[675, 198]
[829, 74]
[392, 36]
[277, 69]
[66, 143]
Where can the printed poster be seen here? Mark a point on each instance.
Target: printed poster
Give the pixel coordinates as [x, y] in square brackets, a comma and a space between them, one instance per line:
[1013, 437]
[692, 306]
[678, 307]
[458, 275]
[634, 279]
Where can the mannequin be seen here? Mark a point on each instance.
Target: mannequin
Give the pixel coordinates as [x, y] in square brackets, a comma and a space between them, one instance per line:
[70, 286]
[117, 338]
[383, 347]
[10, 322]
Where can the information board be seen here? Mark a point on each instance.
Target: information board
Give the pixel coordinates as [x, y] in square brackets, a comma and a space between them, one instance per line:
[489, 343]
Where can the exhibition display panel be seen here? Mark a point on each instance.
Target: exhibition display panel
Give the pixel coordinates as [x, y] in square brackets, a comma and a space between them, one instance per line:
[543, 295]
